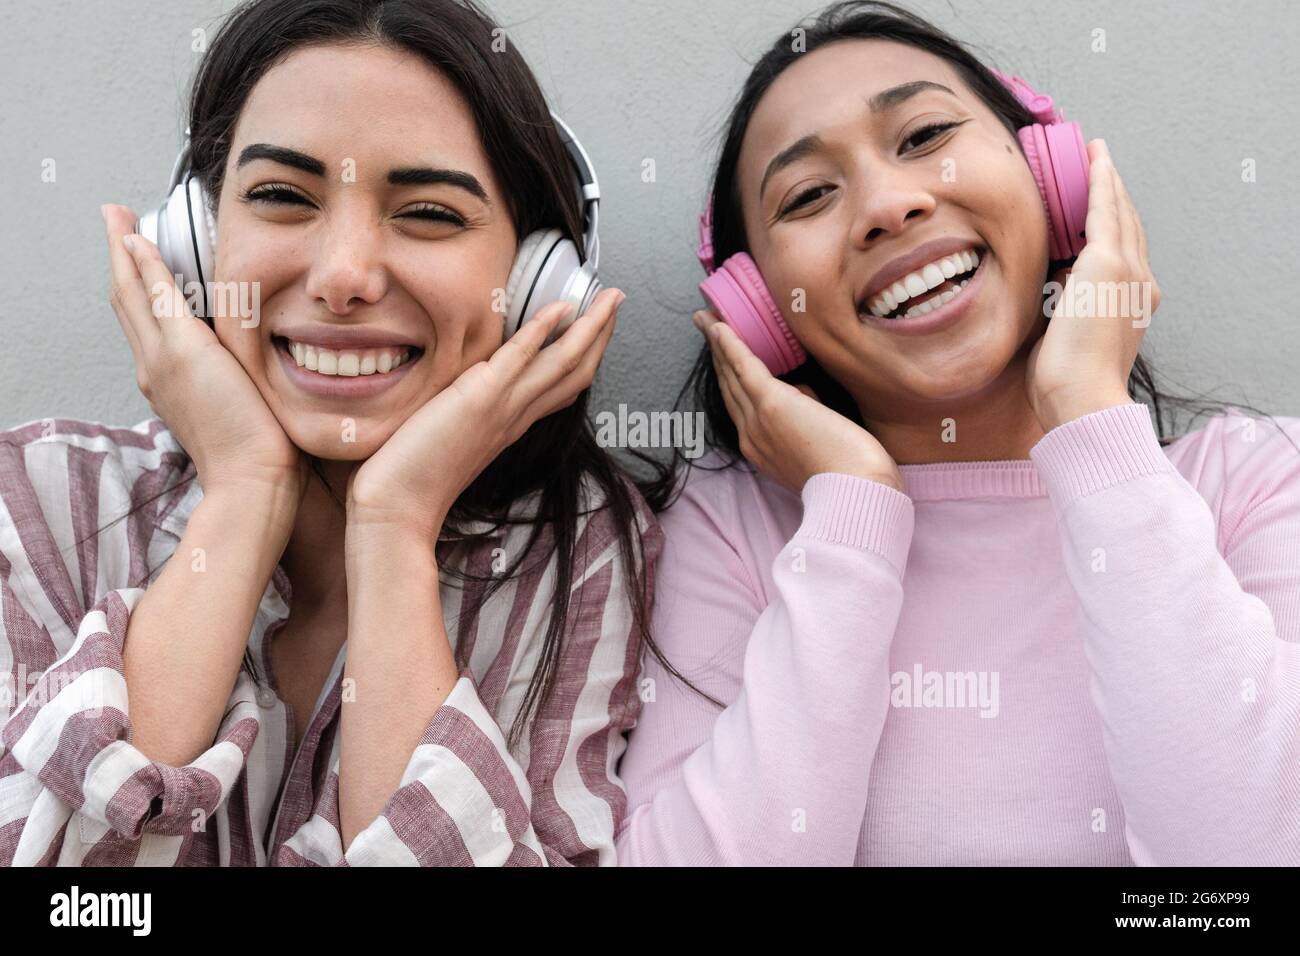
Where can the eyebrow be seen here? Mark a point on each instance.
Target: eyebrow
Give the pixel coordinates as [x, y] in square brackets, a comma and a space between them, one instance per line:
[882, 102]
[403, 176]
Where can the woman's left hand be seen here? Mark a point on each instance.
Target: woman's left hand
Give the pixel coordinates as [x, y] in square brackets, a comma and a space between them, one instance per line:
[420, 471]
[1083, 361]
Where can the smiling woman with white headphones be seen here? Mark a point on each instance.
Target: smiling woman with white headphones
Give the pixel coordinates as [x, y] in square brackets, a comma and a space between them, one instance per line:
[547, 267]
[375, 592]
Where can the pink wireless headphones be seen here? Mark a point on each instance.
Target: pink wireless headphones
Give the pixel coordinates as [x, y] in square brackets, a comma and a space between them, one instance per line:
[1057, 157]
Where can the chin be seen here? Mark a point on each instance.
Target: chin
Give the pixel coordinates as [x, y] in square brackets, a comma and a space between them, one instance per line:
[956, 379]
[340, 439]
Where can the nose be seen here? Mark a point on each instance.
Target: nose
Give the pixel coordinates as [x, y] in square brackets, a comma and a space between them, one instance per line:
[348, 268]
[891, 198]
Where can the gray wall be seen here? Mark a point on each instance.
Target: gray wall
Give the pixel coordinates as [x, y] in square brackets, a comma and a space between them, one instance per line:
[1184, 93]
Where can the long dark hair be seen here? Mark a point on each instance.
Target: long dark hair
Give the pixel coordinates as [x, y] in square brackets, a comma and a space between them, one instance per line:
[862, 19]
[551, 459]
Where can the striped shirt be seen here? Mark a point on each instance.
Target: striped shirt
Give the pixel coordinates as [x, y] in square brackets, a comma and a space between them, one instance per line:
[74, 791]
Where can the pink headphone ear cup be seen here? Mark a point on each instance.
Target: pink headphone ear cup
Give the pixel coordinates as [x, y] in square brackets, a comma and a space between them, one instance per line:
[1071, 169]
[1035, 145]
[1058, 159]
[737, 293]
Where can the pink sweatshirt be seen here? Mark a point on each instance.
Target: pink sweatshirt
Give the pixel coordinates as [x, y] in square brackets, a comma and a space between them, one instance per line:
[1087, 657]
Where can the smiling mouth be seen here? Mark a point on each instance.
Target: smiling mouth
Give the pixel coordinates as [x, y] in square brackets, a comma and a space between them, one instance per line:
[348, 363]
[935, 294]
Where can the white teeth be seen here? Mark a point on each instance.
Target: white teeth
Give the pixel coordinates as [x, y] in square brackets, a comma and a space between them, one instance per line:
[921, 282]
[348, 363]
[931, 304]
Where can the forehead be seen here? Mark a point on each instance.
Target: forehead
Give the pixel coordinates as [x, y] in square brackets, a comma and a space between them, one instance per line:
[351, 100]
[830, 87]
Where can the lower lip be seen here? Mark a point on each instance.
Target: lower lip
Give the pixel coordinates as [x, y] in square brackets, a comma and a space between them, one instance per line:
[341, 386]
[936, 319]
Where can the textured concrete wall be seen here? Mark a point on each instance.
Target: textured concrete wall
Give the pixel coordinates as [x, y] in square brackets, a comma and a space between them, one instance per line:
[1184, 93]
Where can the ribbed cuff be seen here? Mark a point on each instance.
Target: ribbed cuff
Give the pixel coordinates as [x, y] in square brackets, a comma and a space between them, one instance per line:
[866, 514]
[1098, 450]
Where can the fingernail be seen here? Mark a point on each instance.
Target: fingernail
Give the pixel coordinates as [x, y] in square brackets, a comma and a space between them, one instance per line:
[697, 321]
[129, 241]
[622, 297]
[103, 211]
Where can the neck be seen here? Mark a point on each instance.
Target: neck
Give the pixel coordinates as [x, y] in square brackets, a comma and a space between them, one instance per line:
[995, 424]
[314, 557]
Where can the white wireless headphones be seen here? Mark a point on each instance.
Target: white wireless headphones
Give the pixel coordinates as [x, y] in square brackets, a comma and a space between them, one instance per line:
[547, 266]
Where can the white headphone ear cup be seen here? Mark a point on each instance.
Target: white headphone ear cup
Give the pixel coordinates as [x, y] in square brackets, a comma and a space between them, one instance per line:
[522, 258]
[200, 233]
[187, 251]
[208, 249]
[171, 238]
[555, 281]
[520, 287]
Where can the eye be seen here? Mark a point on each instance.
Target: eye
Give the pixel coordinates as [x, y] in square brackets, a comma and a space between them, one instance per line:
[432, 212]
[933, 129]
[804, 198]
[275, 194]
[279, 194]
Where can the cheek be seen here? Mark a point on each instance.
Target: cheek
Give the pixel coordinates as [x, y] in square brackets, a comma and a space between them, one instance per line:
[1019, 219]
[480, 295]
[253, 251]
[462, 307]
[247, 345]
[803, 271]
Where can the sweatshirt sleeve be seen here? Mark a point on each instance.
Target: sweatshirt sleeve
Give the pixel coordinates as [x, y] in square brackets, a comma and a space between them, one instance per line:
[1191, 628]
[73, 788]
[467, 798]
[779, 775]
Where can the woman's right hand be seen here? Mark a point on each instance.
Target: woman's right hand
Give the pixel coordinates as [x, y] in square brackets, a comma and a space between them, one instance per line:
[190, 379]
[784, 430]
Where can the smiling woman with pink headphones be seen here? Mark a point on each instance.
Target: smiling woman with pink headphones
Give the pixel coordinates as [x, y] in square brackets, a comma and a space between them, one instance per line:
[952, 596]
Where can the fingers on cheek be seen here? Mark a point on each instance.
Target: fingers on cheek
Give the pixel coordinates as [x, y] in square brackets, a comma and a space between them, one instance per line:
[723, 362]
[729, 383]
[739, 401]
